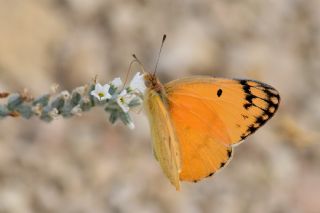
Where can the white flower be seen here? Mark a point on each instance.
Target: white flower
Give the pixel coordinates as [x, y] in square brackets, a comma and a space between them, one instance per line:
[137, 83]
[124, 99]
[101, 92]
[116, 82]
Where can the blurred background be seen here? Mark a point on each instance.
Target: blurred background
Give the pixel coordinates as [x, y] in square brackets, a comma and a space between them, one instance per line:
[84, 164]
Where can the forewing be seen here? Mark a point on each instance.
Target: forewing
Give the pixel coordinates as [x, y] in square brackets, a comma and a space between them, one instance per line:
[210, 115]
[165, 146]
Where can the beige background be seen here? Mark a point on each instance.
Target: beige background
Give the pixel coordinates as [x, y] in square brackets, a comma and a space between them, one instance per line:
[84, 164]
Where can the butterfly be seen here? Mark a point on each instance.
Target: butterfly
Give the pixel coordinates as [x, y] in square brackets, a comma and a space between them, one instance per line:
[196, 121]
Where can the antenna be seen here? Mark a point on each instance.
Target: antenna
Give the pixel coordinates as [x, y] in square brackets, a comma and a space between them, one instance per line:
[139, 62]
[136, 60]
[159, 54]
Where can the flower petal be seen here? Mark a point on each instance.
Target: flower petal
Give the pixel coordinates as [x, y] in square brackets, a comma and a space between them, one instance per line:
[123, 93]
[137, 83]
[95, 94]
[106, 88]
[123, 106]
[116, 82]
[105, 97]
[98, 87]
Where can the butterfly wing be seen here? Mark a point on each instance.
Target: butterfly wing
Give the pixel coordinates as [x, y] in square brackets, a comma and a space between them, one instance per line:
[165, 146]
[210, 115]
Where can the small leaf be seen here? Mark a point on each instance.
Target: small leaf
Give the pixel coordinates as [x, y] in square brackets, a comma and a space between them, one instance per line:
[58, 103]
[125, 118]
[14, 100]
[42, 100]
[112, 90]
[66, 110]
[114, 115]
[75, 99]
[85, 104]
[135, 102]
[25, 111]
[3, 111]
[45, 114]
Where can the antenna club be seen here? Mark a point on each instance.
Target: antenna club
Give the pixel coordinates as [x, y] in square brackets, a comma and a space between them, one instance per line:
[164, 37]
[134, 56]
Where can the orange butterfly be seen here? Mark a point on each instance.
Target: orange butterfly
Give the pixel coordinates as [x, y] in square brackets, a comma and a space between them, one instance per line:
[196, 121]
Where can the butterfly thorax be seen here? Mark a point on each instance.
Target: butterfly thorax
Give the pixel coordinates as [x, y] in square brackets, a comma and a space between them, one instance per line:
[153, 83]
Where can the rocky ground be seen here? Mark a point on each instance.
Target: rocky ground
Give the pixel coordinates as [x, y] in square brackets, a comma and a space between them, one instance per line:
[84, 164]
